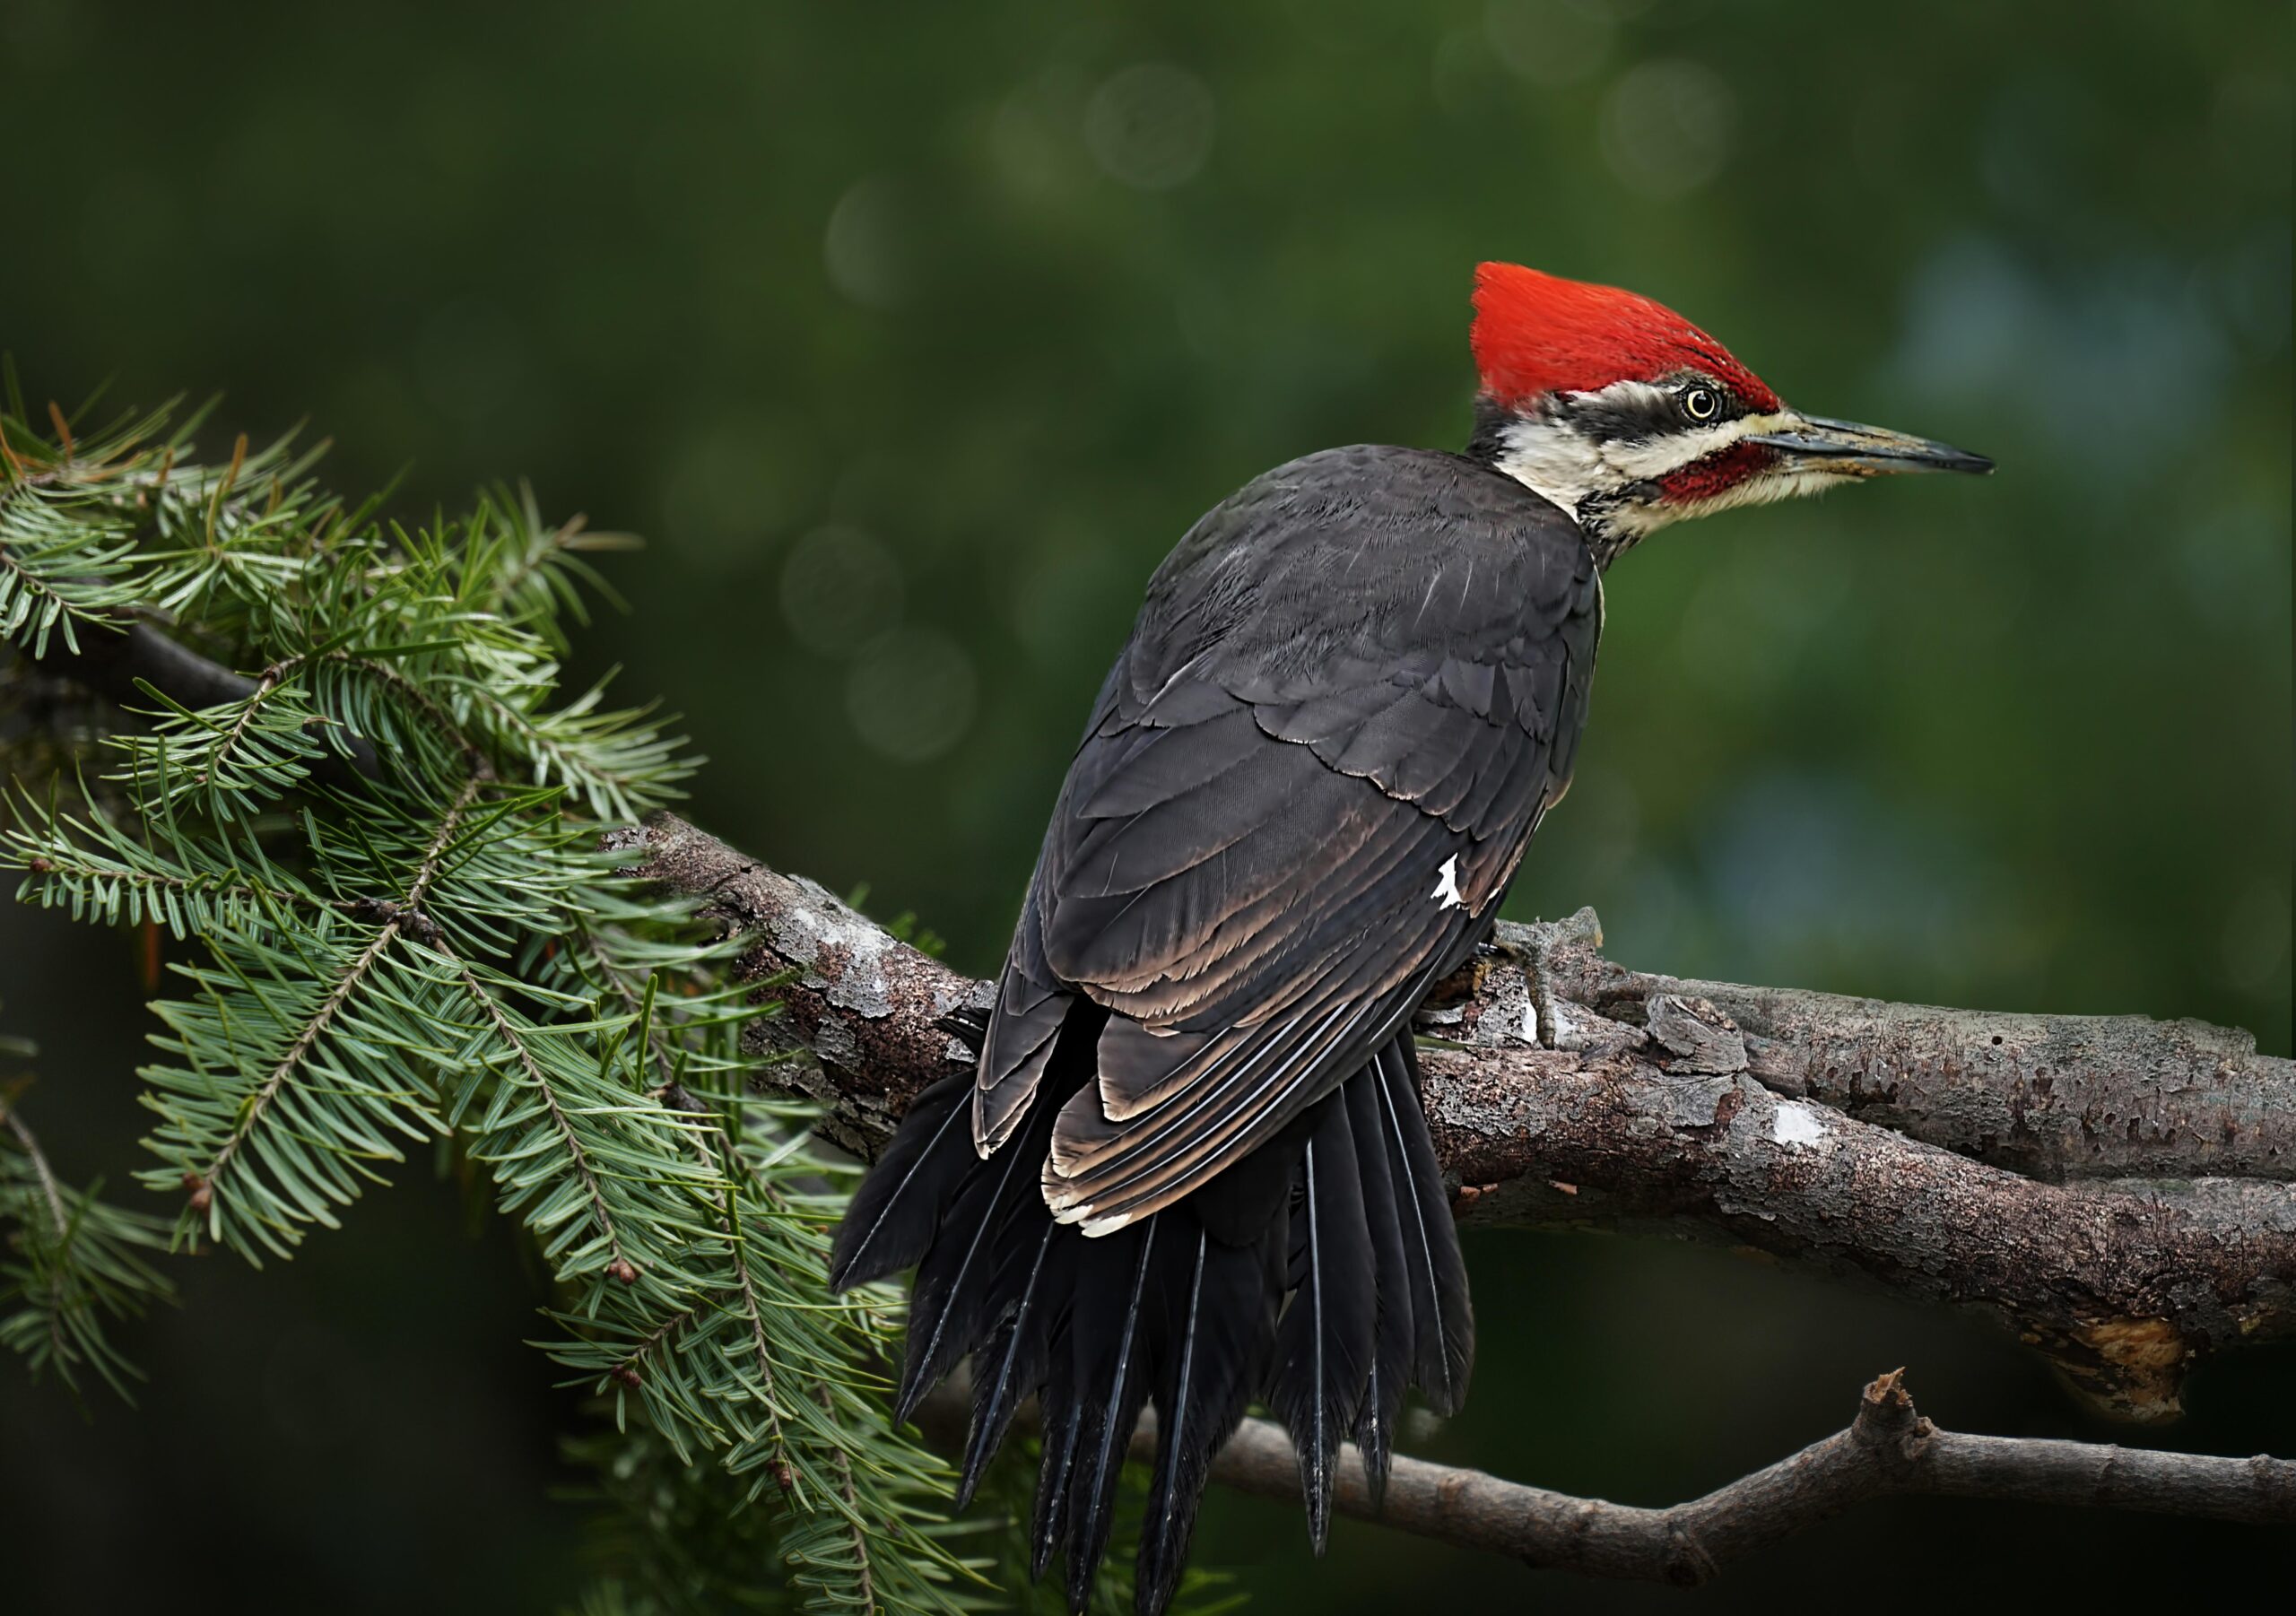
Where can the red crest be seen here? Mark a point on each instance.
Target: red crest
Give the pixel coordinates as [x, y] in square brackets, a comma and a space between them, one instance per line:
[1537, 334]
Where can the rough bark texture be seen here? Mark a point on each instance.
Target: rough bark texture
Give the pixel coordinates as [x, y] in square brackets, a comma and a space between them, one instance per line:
[1558, 1097]
[2050, 1097]
[858, 1026]
[1566, 1089]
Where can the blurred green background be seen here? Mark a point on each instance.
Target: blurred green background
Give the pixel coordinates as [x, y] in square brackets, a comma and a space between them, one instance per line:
[912, 335]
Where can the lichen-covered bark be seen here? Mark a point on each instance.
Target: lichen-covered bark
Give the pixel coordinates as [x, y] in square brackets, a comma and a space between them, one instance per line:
[2050, 1097]
[2120, 1290]
[1557, 1096]
[856, 1024]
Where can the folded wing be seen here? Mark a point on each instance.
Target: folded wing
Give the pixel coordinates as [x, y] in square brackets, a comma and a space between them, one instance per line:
[1275, 837]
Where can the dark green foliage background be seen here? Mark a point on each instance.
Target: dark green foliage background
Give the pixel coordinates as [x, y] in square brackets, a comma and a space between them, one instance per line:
[725, 274]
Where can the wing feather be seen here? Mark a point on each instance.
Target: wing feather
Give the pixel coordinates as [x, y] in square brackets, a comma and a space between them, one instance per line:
[1306, 784]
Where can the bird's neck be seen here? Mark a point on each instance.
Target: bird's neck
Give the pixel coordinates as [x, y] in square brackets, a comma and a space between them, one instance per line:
[1604, 517]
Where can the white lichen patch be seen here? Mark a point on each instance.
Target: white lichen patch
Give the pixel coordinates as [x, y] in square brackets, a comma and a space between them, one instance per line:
[1798, 1125]
[828, 938]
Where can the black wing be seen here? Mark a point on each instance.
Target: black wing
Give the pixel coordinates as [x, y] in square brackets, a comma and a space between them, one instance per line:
[1353, 690]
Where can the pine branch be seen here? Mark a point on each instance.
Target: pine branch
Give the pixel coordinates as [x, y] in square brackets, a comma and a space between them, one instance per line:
[51, 1191]
[743, 1179]
[94, 870]
[341, 1135]
[372, 967]
[75, 1267]
[618, 1263]
[59, 1220]
[202, 1182]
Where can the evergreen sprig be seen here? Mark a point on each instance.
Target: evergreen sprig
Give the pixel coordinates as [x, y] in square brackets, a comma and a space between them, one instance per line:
[376, 860]
[71, 1262]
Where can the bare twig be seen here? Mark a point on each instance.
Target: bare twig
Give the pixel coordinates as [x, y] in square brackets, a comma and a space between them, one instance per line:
[1662, 1123]
[1887, 1450]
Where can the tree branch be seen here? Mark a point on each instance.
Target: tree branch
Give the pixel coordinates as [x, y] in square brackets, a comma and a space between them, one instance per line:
[1887, 1450]
[2050, 1097]
[1665, 1123]
[1565, 1088]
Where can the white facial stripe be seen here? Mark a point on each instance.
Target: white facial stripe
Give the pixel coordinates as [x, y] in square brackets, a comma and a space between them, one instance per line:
[1641, 521]
[1648, 462]
[1552, 457]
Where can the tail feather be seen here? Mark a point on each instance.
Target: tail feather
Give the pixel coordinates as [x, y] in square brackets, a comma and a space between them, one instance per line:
[1442, 1318]
[891, 1224]
[1062, 1426]
[1109, 1339]
[1011, 1363]
[1323, 1347]
[955, 1300]
[1396, 1335]
[1221, 1314]
[1322, 1273]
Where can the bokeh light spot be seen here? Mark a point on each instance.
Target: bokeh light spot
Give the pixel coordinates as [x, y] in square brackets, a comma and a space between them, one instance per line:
[865, 248]
[911, 694]
[839, 587]
[731, 488]
[1548, 42]
[1667, 128]
[1151, 125]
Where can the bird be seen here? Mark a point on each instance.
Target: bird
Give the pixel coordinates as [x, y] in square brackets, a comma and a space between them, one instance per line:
[1191, 1168]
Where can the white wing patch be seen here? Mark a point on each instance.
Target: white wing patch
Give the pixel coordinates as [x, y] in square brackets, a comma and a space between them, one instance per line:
[1446, 885]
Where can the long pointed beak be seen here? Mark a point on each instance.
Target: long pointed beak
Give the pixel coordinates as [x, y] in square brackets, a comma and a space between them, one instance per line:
[1847, 448]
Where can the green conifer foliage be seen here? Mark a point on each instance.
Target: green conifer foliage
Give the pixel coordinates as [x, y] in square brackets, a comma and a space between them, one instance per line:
[368, 815]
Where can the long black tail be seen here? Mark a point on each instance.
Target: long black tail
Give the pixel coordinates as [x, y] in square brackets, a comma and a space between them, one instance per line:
[1321, 1274]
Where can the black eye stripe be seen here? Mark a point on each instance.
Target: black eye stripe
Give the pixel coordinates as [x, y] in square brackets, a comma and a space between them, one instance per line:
[1632, 417]
[1661, 410]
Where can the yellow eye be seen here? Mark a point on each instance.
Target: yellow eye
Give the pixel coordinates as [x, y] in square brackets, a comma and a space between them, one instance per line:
[1702, 404]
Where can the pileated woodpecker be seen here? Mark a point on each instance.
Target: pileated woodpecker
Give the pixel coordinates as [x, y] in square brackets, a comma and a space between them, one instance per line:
[1191, 1168]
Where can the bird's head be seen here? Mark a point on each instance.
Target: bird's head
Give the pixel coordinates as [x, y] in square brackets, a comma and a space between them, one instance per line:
[1629, 417]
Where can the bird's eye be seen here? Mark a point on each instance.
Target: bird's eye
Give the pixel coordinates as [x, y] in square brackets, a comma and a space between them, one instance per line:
[1702, 404]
